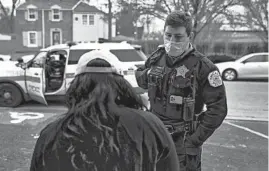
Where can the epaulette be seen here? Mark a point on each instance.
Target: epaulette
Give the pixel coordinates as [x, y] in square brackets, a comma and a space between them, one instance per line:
[155, 56]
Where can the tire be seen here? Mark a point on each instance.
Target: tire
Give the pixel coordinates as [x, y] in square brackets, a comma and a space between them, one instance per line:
[10, 95]
[229, 75]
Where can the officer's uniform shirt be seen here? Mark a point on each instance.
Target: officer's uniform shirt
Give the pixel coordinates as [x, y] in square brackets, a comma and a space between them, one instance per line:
[166, 98]
[144, 144]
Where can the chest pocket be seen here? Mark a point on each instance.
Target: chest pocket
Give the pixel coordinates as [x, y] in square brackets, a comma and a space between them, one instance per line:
[180, 86]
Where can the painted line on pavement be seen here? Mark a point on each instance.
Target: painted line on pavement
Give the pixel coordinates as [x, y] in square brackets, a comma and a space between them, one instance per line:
[20, 117]
[247, 129]
[243, 118]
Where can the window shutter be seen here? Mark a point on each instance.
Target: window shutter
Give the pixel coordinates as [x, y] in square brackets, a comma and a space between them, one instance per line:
[36, 13]
[50, 15]
[61, 15]
[39, 39]
[26, 15]
[25, 38]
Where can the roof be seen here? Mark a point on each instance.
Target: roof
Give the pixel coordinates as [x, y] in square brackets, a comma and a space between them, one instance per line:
[114, 45]
[46, 5]
[82, 46]
[54, 47]
[252, 54]
[84, 7]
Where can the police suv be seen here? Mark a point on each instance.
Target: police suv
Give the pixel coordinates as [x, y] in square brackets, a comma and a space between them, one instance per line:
[48, 75]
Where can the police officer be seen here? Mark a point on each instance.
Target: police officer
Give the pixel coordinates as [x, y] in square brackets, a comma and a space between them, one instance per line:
[180, 81]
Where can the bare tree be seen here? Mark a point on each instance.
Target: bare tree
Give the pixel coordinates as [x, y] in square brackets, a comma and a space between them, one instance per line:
[11, 15]
[255, 18]
[204, 12]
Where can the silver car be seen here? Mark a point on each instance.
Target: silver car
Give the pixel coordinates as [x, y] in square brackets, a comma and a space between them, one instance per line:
[251, 66]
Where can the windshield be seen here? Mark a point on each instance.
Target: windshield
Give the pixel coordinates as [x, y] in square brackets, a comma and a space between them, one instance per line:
[129, 55]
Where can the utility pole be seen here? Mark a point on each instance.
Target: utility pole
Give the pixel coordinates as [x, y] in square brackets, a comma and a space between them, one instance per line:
[109, 20]
[136, 24]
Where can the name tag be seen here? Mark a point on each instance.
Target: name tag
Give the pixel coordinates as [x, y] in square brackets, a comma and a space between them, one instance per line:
[176, 99]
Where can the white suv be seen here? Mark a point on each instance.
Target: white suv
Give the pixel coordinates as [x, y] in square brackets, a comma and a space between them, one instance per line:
[48, 75]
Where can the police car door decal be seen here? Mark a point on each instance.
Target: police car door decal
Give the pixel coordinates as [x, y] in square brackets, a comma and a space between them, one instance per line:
[35, 84]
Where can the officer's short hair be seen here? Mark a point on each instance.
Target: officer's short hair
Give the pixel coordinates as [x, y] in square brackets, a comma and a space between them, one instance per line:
[179, 19]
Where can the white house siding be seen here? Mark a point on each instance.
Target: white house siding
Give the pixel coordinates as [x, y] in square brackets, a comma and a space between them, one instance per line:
[90, 32]
[87, 32]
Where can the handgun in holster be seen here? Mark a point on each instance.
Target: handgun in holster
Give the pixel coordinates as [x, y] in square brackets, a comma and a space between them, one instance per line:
[155, 78]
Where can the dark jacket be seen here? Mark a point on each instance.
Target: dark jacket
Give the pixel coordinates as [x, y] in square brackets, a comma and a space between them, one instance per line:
[210, 90]
[145, 145]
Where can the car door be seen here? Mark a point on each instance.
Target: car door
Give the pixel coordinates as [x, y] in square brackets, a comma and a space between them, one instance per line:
[35, 78]
[252, 67]
[264, 67]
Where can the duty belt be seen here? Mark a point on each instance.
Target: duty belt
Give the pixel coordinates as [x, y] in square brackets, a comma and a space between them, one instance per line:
[175, 128]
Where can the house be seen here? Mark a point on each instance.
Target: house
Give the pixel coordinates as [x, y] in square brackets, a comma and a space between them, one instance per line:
[42, 23]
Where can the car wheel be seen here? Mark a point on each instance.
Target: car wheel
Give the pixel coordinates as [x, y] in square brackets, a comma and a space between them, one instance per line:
[229, 75]
[10, 95]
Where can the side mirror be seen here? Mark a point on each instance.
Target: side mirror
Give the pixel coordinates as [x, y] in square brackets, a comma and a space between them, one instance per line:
[20, 60]
[23, 66]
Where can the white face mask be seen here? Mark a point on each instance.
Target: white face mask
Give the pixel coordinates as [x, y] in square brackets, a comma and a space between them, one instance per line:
[175, 49]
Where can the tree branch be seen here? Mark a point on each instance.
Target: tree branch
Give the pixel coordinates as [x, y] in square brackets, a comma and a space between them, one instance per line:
[3, 9]
[166, 5]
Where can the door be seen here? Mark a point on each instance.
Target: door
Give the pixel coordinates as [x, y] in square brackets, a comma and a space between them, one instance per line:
[253, 67]
[264, 67]
[56, 37]
[35, 78]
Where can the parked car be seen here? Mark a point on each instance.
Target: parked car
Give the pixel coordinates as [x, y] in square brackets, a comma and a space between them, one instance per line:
[218, 58]
[251, 66]
[27, 58]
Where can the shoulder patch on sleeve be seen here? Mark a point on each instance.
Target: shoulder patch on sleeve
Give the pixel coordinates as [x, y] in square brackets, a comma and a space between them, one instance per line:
[215, 79]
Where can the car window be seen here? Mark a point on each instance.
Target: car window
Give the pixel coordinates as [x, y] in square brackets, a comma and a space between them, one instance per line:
[75, 55]
[266, 58]
[128, 55]
[257, 58]
[39, 60]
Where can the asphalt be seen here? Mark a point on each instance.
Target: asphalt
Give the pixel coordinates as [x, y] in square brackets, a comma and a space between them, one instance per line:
[240, 144]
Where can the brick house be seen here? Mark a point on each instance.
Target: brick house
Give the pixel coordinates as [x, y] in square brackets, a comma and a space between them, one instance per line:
[42, 23]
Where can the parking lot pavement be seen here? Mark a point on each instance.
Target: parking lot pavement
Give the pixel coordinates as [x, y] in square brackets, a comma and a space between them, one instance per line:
[234, 148]
[240, 144]
[229, 149]
[247, 100]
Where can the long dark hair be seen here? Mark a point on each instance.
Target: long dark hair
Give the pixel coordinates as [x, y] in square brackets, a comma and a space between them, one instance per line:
[94, 102]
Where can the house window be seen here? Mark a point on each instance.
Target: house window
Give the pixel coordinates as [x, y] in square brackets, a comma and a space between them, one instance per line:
[84, 19]
[32, 14]
[55, 14]
[91, 19]
[32, 39]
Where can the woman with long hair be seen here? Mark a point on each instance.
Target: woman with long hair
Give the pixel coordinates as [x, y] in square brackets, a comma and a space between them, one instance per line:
[105, 127]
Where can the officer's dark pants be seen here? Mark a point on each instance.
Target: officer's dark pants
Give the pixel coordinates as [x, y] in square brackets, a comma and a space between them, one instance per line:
[189, 158]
